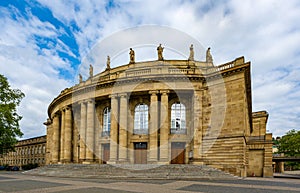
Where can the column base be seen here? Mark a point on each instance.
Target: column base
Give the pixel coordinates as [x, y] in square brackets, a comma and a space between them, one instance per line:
[111, 162]
[65, 161]
[122, 162]
[196, 161]
[152, 162]
[81, 161]
[87, 162]
[163, 162]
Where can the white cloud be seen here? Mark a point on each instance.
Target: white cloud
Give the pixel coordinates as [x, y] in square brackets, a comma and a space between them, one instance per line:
[33, 70]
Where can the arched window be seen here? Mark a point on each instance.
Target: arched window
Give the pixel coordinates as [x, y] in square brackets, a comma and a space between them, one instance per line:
[178, 118]
[106, 122]
[141, 119]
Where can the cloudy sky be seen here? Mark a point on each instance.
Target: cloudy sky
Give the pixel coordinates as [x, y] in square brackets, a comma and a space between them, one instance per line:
[43, 43]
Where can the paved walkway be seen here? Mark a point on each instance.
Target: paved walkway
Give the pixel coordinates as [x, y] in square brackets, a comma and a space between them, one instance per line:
[17, 182]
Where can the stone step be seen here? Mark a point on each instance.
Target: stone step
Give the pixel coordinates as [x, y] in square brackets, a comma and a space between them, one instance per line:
[135, 171]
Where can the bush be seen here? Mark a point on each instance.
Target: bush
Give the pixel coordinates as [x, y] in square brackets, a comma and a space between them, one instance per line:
[30, 166]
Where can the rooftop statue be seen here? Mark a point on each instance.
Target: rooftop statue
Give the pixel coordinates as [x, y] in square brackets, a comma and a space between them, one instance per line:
[160, 52]
[209, 58]
[108, 63]
[91, 71]
[131, 56]
[80, 78]
[191, 57]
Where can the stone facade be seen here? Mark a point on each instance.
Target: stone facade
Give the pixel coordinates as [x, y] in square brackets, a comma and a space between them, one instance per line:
[27, 151]
[162, 112]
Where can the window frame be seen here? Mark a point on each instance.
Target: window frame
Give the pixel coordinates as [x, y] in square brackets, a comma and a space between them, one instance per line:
[106, 122]
[141, 119]
[178, 118]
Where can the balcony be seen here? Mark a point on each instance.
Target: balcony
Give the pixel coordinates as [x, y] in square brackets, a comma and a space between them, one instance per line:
[140, 131]
[178, 130]
[105, 133]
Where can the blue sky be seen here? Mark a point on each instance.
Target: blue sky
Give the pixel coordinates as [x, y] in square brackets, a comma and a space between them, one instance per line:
[42, 44]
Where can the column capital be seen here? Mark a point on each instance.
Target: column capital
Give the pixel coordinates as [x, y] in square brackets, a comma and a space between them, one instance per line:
[124, 95]
[164, 92]
[65, 108]
[82, 102]
[56, 114]
[90, 101]
[153, 92]
[113, 96]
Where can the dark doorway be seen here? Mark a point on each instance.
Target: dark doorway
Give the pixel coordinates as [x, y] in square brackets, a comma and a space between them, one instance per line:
[105, 153]
[177, 153]
[140, 153]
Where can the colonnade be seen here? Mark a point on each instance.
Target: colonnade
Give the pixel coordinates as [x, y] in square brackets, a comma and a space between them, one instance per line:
[119, 137]
[63, 137]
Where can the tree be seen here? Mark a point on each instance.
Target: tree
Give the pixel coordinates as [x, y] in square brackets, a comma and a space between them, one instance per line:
[289, 144]
[9, 119]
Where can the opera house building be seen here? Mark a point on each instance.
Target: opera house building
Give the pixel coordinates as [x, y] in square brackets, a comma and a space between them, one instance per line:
[162, 112]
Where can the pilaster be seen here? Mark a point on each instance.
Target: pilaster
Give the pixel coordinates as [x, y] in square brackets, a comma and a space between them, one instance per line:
[197, 127]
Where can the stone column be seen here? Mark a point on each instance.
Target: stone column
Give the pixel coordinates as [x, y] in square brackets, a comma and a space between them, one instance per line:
[153, 135]
[164, 127]
[113, 129]
[82, 131]
[90, 125]
[62, 135]
[280, 167]
[123, 149]
[56, 141]
[68, 135]
[75, 134]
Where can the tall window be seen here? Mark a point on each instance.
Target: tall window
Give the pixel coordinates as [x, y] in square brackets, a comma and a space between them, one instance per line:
[178, 118]
[106, 122]
[141, 119]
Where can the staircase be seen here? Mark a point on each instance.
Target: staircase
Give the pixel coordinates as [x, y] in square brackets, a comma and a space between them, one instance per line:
[131, 171]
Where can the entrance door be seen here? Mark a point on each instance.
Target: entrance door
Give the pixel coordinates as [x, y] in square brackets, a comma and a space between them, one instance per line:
[105, 153]
[256, 163]
[140, 153]
[177, 153]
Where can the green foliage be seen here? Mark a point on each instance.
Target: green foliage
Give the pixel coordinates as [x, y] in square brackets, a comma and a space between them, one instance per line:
[289, 144]
[291, 166]
[30, 166]
[9, 119]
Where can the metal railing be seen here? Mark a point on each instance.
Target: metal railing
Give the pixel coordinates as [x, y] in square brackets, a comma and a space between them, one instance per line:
[105, 133]
[140, 132]
[178, 130]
